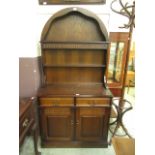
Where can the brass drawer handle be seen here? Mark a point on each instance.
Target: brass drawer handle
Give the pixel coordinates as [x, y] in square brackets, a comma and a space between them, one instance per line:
[25, 123]
[77, 122]
[55, 103]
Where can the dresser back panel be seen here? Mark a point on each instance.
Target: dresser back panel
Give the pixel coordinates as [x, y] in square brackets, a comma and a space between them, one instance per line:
[73, 57]
[74, 26]
[73, 75]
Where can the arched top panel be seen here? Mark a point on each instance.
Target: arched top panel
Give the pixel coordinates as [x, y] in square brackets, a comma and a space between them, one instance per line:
[74, 25]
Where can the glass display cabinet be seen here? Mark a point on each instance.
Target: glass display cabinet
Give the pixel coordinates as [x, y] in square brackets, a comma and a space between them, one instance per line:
[116, 61]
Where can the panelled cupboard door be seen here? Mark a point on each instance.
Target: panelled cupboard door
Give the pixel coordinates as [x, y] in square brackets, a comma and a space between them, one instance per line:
[91, 124]
[57, 123]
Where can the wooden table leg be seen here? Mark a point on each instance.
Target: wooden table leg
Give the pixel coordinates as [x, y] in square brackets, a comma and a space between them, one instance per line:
[35, 139]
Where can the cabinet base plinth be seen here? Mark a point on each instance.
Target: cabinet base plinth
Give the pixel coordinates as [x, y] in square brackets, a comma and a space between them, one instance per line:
[74, 144]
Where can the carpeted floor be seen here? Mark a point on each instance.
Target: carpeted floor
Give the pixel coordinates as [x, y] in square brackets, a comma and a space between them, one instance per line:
[28, 149]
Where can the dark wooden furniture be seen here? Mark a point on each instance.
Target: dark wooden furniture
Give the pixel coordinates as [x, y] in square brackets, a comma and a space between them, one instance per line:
[27, 121]
[116, 62]
[124, 146]
[74, 102]
[50, 2]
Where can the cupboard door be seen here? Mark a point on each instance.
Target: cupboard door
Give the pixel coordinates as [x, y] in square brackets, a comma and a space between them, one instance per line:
[57, 123]
[92, 124]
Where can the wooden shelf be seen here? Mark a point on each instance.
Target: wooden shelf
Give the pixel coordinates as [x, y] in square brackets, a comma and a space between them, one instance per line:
[66, 89]
[74, 65]
[75, 45]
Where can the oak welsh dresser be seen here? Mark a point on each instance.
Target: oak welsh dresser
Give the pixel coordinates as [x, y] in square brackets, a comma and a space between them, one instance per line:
[74, 102]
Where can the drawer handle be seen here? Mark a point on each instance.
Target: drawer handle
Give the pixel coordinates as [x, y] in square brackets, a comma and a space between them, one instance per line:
[77, 122]
[25, 123]
[92, 104]
[55, 104]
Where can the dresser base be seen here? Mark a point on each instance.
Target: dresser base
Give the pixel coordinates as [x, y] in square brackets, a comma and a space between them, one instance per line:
[74, 144]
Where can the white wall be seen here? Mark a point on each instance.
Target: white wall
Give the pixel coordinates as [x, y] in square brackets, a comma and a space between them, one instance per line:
[34, 17]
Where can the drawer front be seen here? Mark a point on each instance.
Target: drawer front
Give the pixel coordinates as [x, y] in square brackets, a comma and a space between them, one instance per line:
[25, 121]
[91, 111]
[93, 102]
[56, 111]
[55, 102]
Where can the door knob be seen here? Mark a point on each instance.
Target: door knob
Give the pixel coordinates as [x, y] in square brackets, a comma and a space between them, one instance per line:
[72, 122]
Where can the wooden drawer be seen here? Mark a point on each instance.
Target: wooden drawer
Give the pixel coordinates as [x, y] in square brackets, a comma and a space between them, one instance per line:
[91, 102]
[56, 111]
[96, 111]
[56, 102]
